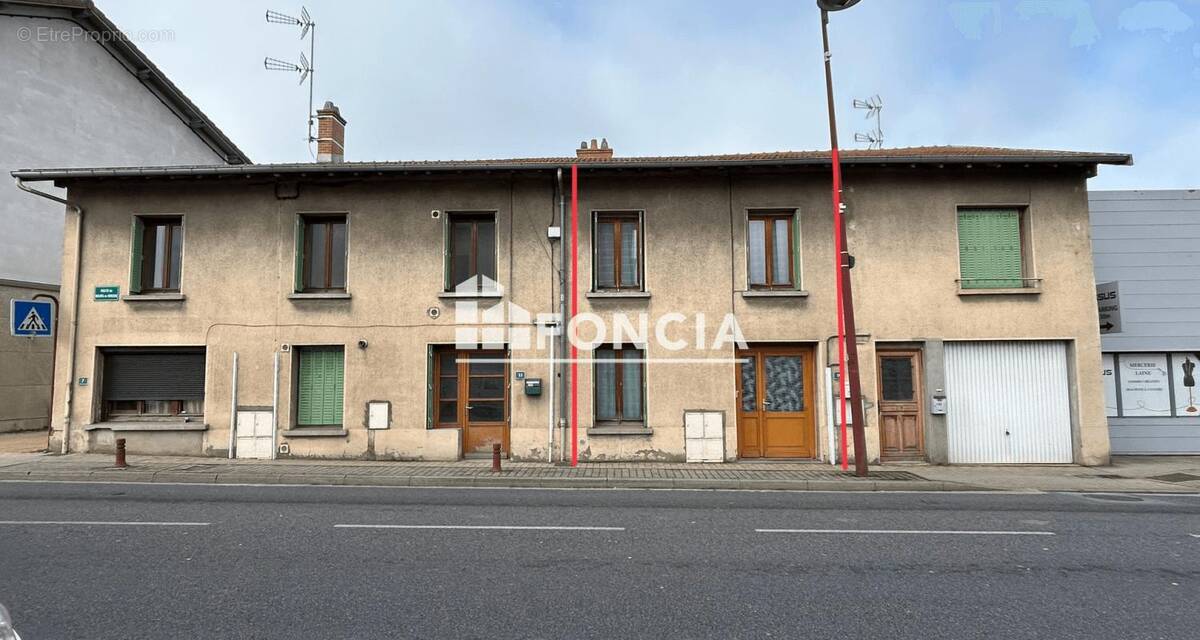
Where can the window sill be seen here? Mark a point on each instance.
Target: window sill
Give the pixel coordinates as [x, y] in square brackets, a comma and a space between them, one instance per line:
[609, 295]
[315, 432]
[630, 430]
[329, 295]
[149, 425]
[1019, 291]
[154, 297]
[471, 295]
[774, 293]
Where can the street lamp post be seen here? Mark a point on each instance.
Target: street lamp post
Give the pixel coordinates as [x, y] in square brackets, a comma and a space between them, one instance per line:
[849, 344]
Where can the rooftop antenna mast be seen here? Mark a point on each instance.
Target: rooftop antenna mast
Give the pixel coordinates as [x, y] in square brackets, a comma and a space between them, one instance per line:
[874, 107]
[305, 68]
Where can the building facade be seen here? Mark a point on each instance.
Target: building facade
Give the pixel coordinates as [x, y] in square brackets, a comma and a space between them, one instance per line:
[77, 93]
[1148, 267]
[407, 310]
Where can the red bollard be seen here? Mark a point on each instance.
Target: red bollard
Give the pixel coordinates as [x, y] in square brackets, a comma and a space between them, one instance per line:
[496, 458]
[120, 453]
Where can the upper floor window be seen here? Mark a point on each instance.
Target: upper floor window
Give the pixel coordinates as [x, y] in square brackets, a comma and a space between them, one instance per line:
[471, 252]
[772, 250]
[157, 254]
[321, 253]
[991, 249]
[618, 252]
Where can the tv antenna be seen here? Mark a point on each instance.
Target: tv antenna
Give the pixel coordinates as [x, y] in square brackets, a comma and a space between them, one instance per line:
[874, 107]
[305, 68]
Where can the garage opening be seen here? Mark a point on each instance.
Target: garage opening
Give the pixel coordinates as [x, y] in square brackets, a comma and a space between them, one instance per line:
[1008, 402]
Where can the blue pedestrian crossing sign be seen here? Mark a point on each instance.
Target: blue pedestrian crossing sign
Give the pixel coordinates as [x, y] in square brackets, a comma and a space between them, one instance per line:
[31, 318]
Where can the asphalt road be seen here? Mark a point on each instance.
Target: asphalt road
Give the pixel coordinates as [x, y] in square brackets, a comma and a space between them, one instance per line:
[273, 562]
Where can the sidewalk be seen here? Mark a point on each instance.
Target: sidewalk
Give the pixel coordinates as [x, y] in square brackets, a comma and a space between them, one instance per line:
[1127, 474]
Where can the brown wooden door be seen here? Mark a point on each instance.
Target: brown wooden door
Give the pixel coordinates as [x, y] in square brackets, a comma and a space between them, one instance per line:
[775, 403]
[472, 394]
[900, 415]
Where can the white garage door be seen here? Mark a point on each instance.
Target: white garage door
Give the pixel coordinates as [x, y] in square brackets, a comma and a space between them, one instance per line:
[1008, 402]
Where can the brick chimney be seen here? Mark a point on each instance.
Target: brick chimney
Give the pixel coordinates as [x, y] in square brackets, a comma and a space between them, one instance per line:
[331, 134]
[594, 151]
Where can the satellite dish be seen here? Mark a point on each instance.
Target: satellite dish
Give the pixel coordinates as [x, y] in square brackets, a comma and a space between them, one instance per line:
[836, 5]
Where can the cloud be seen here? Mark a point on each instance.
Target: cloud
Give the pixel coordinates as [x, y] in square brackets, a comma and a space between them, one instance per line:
[1155, 15]
[1083, 33]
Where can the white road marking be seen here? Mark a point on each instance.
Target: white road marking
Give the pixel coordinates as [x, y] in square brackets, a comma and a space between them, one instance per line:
[913, 531]
[475, 527]
[103, 523]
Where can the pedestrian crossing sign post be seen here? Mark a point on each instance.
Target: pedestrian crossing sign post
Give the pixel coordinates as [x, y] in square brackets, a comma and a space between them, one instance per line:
[31, 318]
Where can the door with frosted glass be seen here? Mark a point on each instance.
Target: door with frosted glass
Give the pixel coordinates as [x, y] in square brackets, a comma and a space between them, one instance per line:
[775, 403]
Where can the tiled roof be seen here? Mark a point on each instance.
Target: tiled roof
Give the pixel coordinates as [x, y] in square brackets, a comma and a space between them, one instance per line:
[906, 155]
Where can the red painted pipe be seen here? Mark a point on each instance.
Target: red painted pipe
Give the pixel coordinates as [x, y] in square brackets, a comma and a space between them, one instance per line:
[841, 318]
[574, 310]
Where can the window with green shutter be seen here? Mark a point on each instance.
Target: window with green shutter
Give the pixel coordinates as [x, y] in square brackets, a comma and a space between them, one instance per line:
[989, 249]
[319, 386]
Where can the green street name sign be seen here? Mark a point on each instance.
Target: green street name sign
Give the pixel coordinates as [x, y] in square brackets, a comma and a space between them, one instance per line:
[107, 292]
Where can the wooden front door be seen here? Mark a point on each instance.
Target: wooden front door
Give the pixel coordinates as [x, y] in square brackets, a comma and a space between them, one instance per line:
[472, 394]
[775, 403]
[901, 429]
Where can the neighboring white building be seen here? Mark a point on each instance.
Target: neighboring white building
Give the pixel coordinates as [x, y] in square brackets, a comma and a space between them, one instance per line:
[76, 93]
[1148, 243]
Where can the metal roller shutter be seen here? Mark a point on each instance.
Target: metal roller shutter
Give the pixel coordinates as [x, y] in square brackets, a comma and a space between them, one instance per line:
[154, 375]
[1008, 402]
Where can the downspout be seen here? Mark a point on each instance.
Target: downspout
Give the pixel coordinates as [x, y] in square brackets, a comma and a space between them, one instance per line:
[562, 313]
[70, 366]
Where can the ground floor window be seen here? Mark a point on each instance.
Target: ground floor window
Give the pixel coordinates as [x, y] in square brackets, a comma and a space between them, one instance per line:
[620, 386]
[1147, 385]
[319, 386]
[153, 382]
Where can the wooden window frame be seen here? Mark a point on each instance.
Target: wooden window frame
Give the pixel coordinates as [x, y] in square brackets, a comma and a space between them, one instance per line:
[176, 410]
[768, 217]
[617, 219]
[462, 396]
[621, 353]
[148, 258]
[326, 220]
[474, 218]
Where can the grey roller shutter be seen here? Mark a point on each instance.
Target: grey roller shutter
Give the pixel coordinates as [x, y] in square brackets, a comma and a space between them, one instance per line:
[156, 375]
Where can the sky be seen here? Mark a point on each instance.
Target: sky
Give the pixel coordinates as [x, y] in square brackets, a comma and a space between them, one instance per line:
[466, 79]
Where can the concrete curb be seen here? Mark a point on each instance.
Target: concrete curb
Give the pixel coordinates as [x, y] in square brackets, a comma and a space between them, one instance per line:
[325, 479]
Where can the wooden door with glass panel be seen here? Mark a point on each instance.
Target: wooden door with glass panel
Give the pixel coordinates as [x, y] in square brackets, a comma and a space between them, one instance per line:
[775, 403]
[472, 394]
[901, 432]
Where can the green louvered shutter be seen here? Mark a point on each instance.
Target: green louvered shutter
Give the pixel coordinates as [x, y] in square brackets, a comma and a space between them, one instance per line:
[446, 277]
[298, 274]
[429, 387]
[135, 255]
[320, 387]
[989, 249]
[796, 284]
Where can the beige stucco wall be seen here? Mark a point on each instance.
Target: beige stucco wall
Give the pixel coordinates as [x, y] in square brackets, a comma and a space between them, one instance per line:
[24, 365]
[237, 272]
